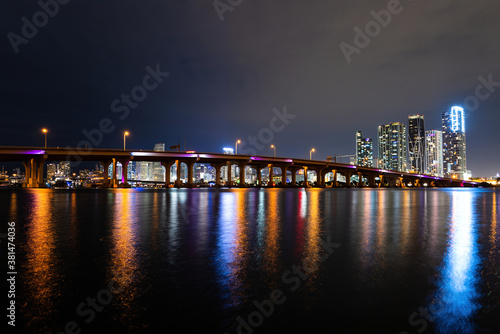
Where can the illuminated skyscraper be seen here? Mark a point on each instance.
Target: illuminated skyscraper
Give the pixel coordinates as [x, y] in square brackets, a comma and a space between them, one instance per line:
[434, 152]
[454, 148]
[158, 169]
[364, 150]
[416, 144]
[392, 146]
[51, 171]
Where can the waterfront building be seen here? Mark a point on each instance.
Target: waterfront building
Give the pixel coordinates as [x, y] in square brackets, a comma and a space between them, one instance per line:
[392, 146]
[416, 144]
[434, 152]
[454, 146]
[364, 150]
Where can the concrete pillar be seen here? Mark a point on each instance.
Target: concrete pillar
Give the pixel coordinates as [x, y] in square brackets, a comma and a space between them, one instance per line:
[217, 167]
[283, 175]
[114, 181]
[105, 165]
[348, 179]
[259, 176]
[27, 173]
[401, 184]
[371, 180]
[167, 165]
[382, 180]
[294, 177]
[306, 184]
[41, 163]
[229, 174]
[271, 176]
[242, 167]
[177, 182]
[33, 170]
[335, 184]
[360, 180]
[124, 181]
[190, 166]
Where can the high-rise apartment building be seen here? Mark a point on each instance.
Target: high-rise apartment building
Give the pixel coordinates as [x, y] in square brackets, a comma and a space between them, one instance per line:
[454, 148]
[158, 169]
[364, 150]
[392, 146]
[434, 152]
[416, 144]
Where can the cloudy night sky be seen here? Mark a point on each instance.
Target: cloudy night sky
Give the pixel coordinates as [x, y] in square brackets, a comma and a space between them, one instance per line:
[226, 76]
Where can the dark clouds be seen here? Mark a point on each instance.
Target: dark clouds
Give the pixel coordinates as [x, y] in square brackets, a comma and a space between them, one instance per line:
[226, 77]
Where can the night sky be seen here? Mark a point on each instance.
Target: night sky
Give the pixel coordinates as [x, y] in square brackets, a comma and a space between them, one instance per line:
[226, 76]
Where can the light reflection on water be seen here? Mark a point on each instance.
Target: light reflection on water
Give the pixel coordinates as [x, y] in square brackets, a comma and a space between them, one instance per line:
[43, 268]
[456, 300]
[225, 249]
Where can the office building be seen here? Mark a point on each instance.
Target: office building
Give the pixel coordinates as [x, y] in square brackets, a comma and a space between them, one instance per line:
[416, 144]
[454, 147]
[392, 146]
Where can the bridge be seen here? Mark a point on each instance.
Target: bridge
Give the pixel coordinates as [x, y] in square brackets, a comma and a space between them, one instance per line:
[34, 159]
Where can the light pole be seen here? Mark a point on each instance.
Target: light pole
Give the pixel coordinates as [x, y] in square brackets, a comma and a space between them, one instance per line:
[274, 147]
[45, 132]
[125, 134]
[310, 153]
[236, 150]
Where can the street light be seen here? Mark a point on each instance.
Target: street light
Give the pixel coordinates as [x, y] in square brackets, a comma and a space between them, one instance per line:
[45, 132]
[236, 150]
[274, 147]
[125, 134]
[310, 153]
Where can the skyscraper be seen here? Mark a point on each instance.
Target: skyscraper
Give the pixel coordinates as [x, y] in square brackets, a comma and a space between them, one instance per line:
[392, 146]
[416, 144]
[454, 148]
[434, 152]
[364, 150]
[158, 169]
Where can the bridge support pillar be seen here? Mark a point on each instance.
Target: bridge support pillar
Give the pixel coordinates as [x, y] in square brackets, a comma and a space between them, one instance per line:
[348, 179]
[371, 180]
[178, 166]
[242, 173]
[105, 173]
[306, 182]
[283, 175]
[401, 182]
[217, 167]
[229, 174]
[417, 183]
[271, 176]
[27, 172]
[334, 182]
[190, 166]
[360, 180]
[114, 180]
[124, 180]
[294, 177]
[168, 166]
[320, 177]
[382, 180]
[259, 176]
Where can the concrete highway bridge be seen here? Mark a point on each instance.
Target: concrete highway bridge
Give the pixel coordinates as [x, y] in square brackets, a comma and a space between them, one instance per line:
[34, 159]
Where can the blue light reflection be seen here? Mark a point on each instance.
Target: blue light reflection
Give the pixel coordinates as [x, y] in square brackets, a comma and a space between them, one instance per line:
[455, 301]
